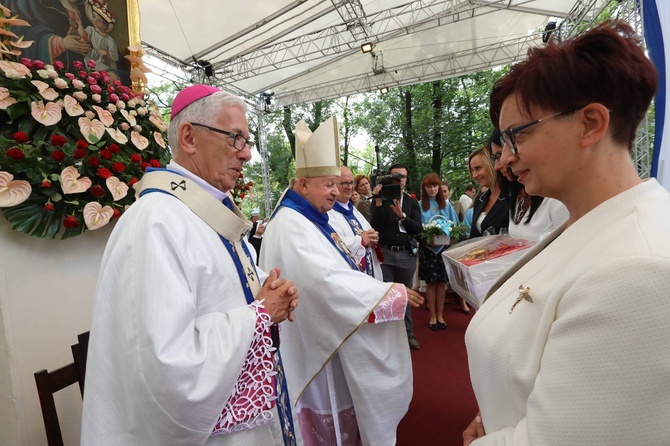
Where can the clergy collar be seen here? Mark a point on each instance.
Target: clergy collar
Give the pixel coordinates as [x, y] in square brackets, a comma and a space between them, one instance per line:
[173, 166]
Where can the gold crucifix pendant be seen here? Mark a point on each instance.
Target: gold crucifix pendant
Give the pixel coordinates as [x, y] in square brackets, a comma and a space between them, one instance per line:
[524, 293]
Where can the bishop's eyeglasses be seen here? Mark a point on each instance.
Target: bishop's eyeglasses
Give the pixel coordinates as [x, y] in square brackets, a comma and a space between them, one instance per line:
[239, 141]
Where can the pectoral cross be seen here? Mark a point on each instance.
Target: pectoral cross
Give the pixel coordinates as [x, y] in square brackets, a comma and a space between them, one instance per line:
[524, 293]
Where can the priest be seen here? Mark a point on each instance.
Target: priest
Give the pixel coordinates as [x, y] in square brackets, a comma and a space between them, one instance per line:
[183, 346]
[354, 229]
[347, 361]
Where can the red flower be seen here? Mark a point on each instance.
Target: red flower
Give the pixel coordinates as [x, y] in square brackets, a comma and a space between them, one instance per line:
[58, 140]
[91, 63]
[241, 175]
[144, 166]
[155, 163]
[125, 97]
[251, 183]
[58, 65]
[15, 153]
[48, 206]
[114, 148]
[20, 137]
[136, 158]
[104, 173]
[118, 167]
[81, 144]
[132, 182]
[27, 62]
[242, 195]
[58, 156]
[117, 213]
[97, 191]
[106, 154]
[79, 154]
[38, 64]
[78, 64]
[93, 161]
[46, 184]
[70, 222]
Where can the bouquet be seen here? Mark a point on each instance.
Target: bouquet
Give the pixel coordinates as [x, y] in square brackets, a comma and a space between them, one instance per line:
[437, 231]
[74, 144]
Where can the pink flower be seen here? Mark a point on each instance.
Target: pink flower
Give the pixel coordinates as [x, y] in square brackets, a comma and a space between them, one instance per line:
[91, 63]
[46, 114]
[91, 80]
[69, 76]
[114, 97]
[58, 65]
[96, 89]
[38, 64]
[125, 97]
[76, 83]
[27, 62]
[79, 65]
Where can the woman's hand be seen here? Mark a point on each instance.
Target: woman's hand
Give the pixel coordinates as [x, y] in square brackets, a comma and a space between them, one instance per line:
[474, 430]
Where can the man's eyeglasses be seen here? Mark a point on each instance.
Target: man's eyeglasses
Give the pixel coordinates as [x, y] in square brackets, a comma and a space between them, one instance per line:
[347, 184]
[508, 137]
[239, 141]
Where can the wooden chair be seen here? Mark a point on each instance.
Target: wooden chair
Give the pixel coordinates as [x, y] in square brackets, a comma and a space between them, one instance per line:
[49, 383]
[79, 351]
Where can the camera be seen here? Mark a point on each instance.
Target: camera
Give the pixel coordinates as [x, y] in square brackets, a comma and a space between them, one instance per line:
[390, 186]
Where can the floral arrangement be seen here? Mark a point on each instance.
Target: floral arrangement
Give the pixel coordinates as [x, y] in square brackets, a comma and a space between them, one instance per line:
[242, 189]
[440, 231]
[75, 142]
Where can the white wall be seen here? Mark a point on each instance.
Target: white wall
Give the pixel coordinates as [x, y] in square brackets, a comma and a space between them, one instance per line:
[46, 297]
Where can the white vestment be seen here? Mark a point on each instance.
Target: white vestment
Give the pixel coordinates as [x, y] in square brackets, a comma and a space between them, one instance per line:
[353, 241]
[170, 333]
[367, 371]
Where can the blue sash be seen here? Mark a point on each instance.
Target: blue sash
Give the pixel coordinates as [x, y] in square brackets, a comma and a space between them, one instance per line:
[294, 201]
[355, 226]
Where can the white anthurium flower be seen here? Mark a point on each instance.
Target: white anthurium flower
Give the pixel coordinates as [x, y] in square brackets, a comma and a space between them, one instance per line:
[71, 183]
[92, 129]
[45, 90]
[5, 99]
[46, 114]
[96, 216]
[13, 192]
[117, 135]
[104, 116]
[117, 188]
[72, 106]
[130, 118]
[158, 137]
[139, 141]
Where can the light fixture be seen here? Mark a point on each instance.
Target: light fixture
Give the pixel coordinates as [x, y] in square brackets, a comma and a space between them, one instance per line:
[367, 47]
[384, 90]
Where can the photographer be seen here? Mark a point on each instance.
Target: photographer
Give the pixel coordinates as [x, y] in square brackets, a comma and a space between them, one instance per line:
[397, 218]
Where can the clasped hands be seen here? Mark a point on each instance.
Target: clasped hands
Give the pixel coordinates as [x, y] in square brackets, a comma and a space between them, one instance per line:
[280, 297]
[370, 237]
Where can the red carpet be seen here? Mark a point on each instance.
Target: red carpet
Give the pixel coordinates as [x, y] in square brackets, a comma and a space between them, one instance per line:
[443, 404]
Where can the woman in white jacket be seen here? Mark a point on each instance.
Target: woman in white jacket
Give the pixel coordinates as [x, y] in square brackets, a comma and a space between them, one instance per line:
[558, 353]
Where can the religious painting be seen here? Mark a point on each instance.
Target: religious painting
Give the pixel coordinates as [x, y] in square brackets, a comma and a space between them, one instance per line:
[80, 30]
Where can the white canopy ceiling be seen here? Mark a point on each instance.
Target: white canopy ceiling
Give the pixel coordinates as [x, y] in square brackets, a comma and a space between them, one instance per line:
[306, 50]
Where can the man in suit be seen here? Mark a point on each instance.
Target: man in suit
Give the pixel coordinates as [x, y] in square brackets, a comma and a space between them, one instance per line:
[397, 222]
[256, 233]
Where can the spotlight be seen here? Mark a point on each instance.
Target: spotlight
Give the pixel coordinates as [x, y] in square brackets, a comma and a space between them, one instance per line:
[367, 47]
[384, 90]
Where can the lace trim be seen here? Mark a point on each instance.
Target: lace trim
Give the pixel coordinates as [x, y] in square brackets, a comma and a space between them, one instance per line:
[254, 393]
[318, 427]
[392, 307]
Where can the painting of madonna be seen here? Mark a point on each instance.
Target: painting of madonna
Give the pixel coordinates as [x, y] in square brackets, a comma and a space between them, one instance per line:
[76, 30]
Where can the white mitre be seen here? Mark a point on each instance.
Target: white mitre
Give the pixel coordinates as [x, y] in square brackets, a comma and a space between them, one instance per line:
[317, 154]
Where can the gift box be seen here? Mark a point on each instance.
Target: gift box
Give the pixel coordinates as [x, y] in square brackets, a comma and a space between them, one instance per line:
[474, 265]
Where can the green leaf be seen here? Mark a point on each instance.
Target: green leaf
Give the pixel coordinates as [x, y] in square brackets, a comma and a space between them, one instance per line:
[56, 197]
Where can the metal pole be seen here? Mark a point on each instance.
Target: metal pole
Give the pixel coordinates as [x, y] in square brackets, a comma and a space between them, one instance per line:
[263, 150]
